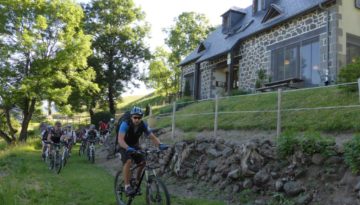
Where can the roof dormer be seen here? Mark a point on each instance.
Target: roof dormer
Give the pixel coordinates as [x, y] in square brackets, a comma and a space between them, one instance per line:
[261, 5]
[274, 11]
[230, 19]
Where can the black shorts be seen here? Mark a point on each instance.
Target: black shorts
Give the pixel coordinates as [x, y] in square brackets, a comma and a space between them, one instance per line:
[136, 157]
[55, 139]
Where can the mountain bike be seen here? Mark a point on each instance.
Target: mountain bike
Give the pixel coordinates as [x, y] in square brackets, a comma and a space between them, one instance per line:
[65, 153]
[91, 150]
[55, 158]
[82, 147]
[156, 191]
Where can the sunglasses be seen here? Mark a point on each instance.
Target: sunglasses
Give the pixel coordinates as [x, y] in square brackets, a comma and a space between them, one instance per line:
[137, 118]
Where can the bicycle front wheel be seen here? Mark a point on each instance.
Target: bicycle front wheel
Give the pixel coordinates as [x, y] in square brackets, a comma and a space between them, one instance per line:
[156, 192]
[119, 190]
[57, 163]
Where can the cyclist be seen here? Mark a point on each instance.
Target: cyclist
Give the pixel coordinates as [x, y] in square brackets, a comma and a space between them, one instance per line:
[103, 127]
[56, 134]
[44, 135]
[128, 138]
[111, 124]
[70, 137]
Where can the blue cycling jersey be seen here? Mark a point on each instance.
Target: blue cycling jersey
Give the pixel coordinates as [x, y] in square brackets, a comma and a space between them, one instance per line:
[124, 128]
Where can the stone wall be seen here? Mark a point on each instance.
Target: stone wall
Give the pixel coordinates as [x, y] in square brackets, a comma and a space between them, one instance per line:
[256, 51]
[254, 168]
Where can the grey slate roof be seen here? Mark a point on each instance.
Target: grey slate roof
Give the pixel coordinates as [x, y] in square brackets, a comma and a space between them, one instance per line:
[218, 43]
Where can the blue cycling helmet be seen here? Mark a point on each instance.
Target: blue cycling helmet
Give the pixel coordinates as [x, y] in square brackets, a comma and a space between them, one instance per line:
[136, 111]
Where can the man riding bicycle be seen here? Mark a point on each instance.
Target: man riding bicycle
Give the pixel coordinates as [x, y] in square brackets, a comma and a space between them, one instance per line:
[56, 134]
[129, 133]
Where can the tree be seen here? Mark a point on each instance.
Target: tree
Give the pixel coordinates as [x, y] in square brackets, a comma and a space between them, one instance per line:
[43, 54]
[189, 30]
[118, 32]
[161, 77]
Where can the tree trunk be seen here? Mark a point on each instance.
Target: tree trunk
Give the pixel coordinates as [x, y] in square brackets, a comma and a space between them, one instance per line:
[27, 112]
[111, 99]
[6, 137]
[8, 122]
[49, 108]
[111, 88]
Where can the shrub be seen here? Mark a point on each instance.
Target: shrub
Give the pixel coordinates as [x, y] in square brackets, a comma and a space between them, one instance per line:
[312, 142]
[101, 116]
[352, 153]
[287, 143]
[350, 73]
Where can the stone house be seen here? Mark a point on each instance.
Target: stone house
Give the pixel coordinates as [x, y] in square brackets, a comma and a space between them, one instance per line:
[308, 40]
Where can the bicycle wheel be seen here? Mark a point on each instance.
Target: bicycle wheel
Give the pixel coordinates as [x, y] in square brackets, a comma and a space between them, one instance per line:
[92, 156]
[64, 157]
[81, 150]
[156, 192]
[58, 163]
[119, 190]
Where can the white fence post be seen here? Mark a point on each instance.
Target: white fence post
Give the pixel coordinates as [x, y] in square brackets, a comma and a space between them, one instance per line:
[216, 115]
[359, 88]
[173, 121]
[278, 124]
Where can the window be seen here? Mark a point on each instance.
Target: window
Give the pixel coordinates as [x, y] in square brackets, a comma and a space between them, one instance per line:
[273, 12]
[299, 60]
[352, 48]
[189, 85]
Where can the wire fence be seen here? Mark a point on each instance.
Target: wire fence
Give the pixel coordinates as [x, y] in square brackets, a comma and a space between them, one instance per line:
[325, 108]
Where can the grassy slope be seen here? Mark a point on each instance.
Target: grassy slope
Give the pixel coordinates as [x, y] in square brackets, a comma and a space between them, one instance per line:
[25, 179]
[340, 119]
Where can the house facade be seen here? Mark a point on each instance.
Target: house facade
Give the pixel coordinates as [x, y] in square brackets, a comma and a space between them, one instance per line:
[309, 40]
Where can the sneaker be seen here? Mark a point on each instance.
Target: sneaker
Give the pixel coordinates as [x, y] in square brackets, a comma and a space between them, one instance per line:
[129, 191]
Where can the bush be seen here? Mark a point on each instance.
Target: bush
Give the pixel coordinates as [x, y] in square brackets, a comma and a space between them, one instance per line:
[350, 73]
[309, 143]
[101, 116]
[352, 153]
[313, 142]
[287, 143]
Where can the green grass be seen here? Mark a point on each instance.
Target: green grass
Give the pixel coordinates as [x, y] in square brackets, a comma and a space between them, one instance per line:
[25, 179]
[259, 112]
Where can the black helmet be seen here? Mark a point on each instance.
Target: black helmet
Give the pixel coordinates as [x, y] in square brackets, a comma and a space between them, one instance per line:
[136, 111]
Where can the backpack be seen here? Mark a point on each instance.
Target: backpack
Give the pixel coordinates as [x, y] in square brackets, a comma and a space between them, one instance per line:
[126, 117]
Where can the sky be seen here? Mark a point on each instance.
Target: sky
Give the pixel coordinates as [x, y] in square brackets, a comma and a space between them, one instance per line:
[161, 14]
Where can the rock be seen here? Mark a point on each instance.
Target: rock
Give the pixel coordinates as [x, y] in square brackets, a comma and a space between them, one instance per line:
[293, 188]
[202, 147]
[261, 178]
[304, 199]
[213, 153]
[215, 178]
[247, 184]
[357, 187]
[235, 174]
[279, 185]
[190, 186]
[227, 152]
[274, 175]
[260, 202]
[334, 160]
[299, 173]
[317, 159]
[212, 164]
[236, 188]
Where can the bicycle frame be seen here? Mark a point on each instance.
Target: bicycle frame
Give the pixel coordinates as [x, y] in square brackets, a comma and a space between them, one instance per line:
[147, 172]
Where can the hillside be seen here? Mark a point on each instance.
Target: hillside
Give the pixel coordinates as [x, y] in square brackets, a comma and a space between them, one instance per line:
[326, 109]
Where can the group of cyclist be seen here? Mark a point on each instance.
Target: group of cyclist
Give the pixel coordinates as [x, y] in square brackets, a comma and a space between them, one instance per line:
[129, 133]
